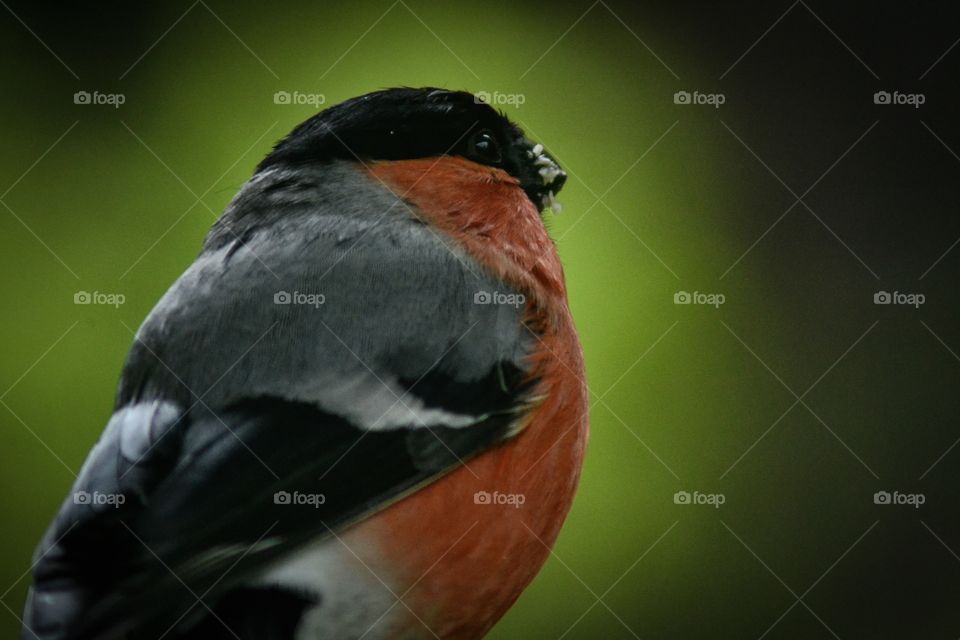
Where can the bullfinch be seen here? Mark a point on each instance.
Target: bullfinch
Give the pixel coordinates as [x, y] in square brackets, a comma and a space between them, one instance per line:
[360, 413]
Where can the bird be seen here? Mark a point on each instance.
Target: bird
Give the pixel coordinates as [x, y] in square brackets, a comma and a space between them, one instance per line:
[361, 412]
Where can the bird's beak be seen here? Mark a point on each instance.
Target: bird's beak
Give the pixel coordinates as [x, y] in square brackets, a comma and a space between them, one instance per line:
[552, 176]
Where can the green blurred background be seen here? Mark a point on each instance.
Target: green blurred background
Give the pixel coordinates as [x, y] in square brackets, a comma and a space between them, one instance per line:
[797, 399]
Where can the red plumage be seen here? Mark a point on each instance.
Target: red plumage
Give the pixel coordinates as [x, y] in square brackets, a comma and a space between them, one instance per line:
[465, 563]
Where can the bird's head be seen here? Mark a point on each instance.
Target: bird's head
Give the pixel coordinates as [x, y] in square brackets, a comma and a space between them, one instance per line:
[407, 124]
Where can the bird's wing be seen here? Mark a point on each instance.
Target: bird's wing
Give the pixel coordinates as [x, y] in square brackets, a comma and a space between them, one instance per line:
[324, 350]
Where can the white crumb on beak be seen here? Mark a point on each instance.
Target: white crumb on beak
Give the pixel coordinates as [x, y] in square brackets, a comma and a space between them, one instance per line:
[549, 201]
[549, 173]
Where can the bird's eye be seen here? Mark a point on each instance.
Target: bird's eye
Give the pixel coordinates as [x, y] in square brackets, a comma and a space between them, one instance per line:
[482, 147]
